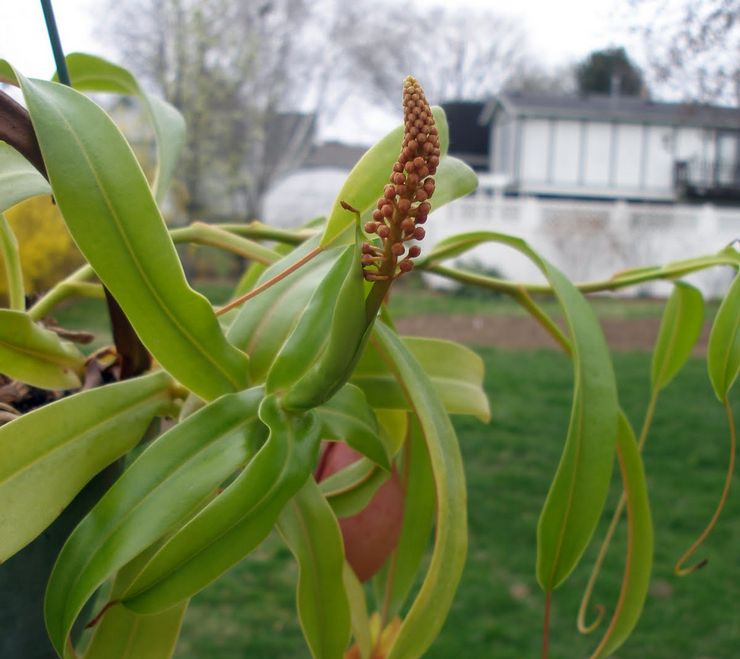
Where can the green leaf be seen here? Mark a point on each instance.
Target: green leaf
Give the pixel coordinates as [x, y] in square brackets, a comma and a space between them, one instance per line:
[723, 348]
[358, 611]
[124, 634]
[94, 74]
[11, 259]
[578, 491]
[173, 475]
[310, 530]
[350, 489]
[429, 610]
[236, 521]
[680, 328]
[364, 184]
[36, 356]
[19, 179]
[114, 219]
[455, 371]
[48, 455]
[399, 574]
[348, 417]
[639, 563]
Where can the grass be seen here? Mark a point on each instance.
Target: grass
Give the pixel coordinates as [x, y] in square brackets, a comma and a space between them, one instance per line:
[498, 610]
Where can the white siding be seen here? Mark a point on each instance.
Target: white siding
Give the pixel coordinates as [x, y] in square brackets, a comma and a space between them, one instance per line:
[628, 156]
[597, 155]
[567, 152]
[659, 158]
[689, 144]
[534, 150]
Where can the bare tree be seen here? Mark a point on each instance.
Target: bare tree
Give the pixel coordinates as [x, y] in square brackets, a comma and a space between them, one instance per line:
[692, 47]
[247, 77]
[457, 52]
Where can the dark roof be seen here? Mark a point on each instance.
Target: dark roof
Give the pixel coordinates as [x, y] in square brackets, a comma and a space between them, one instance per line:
[628, 109]
[334, 154]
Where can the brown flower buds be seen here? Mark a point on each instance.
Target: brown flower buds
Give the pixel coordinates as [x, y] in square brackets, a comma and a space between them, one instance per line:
[405, 201]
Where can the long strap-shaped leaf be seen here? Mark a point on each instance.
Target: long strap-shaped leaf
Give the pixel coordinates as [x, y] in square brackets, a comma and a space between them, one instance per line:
[639, 559]
[94, 74]
[165, 483]
[48, 455]
[429, 610]
[234, 523]
[111, 214]
[19, 179]
[581, 484]
[310, 530]
[36, 356]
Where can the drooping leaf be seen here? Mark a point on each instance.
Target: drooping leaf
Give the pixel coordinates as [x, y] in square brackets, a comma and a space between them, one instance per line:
[680, 328]
[174, 474]
[348, 417]
[123, 634]
[10, 260]
[455, 371]
[48, 455]
[310, 530]
[723, 348]
[113, 218]
[19, 179]
[236, 521]
[399, 574]
[639, 559]
[429, 610]
[94, 74]
[36, 356]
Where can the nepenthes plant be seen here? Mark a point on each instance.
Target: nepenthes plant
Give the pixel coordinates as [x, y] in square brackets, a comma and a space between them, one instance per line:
[297, 406]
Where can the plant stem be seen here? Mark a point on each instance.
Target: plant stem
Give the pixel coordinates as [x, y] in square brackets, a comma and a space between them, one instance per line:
[616, 517]
[270, 282]
[12, 261]
[546, 625]
[679, 569]
[625, 280]
[216, 236]
[260, 231]
[526, 301]
[56, 43]
[72, 285]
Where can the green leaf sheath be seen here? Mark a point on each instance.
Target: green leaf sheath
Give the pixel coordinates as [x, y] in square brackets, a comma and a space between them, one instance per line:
[310, 530]
[173, 475]
[639, 544]
[680, 328]
[430, 608]
[723, 348]
[348, 417]
[318, 356]
[350, 489]
[19, 179]
[124, 634]
[36, 356]
[94, 74]
[115, 222]
[455, 371]
[47, 456]
[236, 521]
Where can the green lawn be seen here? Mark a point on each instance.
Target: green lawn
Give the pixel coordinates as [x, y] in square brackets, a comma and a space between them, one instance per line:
[498, 610]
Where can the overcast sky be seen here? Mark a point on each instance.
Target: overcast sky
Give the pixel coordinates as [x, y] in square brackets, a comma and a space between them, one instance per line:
[558, 32]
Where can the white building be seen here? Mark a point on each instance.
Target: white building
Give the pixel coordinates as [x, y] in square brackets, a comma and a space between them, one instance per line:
[613, 147]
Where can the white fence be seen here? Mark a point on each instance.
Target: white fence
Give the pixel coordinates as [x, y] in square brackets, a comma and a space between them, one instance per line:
[593, 240]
